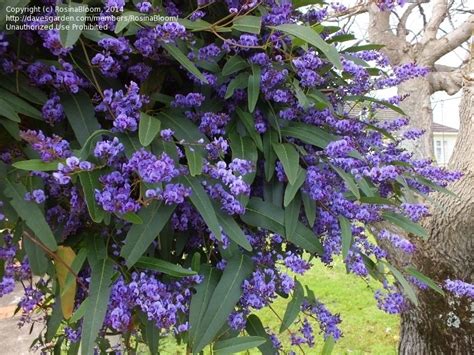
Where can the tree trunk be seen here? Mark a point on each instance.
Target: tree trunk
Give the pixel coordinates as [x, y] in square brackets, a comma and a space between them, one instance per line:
[417, 106]
[445, 325]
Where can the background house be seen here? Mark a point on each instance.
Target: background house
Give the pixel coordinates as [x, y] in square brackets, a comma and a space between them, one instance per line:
[444, 138]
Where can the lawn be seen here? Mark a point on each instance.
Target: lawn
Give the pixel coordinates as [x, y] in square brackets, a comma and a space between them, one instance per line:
[367, 330]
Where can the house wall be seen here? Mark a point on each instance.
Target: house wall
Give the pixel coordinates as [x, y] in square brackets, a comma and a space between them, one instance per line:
[443, 146]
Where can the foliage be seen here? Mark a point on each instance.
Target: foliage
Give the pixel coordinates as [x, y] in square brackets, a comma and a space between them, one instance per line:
[165, 177]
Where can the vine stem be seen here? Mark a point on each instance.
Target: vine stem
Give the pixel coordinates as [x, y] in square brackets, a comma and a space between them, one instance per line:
[55, 257]
[281, 320]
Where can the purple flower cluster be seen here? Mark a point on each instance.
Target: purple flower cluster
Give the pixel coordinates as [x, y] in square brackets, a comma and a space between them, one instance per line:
[150, 168]
[123, 108]
[163, 303]
[459, 288]
[52, 110]
[49, 148]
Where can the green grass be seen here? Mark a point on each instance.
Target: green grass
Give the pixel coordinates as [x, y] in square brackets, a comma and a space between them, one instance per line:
[367, 330]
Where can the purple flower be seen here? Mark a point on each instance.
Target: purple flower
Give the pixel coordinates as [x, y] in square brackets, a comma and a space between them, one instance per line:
[459, 288]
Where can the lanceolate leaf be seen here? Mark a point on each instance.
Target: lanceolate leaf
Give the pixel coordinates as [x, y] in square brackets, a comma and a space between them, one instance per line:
[233, 65]
[309, 208]
[176, 53]
[292, 212]
[376, 101]
[308, 134]
[30, 213]
[90, 181]
[202, 202]
[224, 298]
[328, 346]
[200, 300]
[346, 234]
[233, 231]
[65, 257]
[292, 190]
[405, 223]
[248, 121]
[148, 128]
[253, 88]
[349, 180]
[293, 308]
[36, 165]
[250, 24]
[235, 345]
[101, 278]
[290, 160]
[195, 160]
[266, 215]
[407, 288]
[140, 236]
[163, 266]
[425, 279]
[36, 257]
[71, 28]
[310, 36]
[81, 115]
[255, 327]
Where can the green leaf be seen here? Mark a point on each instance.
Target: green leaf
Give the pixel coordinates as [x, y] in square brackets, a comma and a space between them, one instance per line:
[291, 190]
[140, 236]
[80, 311]
[405, 223]
[407, 288]
[292, 212]
[253, 87]
[266, 215]
[328, 346]
[131, 217]
[71, 28]
[235, 345]
[269, 138]
[130, 143]
[202, 202]
[232, 229]
[249, 123]
[90, 182]
[239, 82]
[163, 266]
[379, 102]
[183, 128]
[250, 24]
[293, 307]
[348, 179]
[346, 234]
[176, 53]
[308, 134]
[54, 320]
[151, 334]
[195, 160]
[8, 111]
[425, 279]
[224, 298]
[310, 36]
[125, 19]
[36, 257]
[30, 212]
[99, 291]
[365, 47]
[196, 262]
[233, 65]
[19, 105]
[301, 3]
[200, 301]
[309, 209]
[290, 160]
[148, 128]
[81, 115]
[36, 165]
[255, 327]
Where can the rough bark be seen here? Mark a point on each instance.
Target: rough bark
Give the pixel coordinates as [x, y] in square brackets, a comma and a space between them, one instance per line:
[445, 325]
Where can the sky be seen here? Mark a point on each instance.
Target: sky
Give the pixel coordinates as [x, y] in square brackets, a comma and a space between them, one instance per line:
[445, 107]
